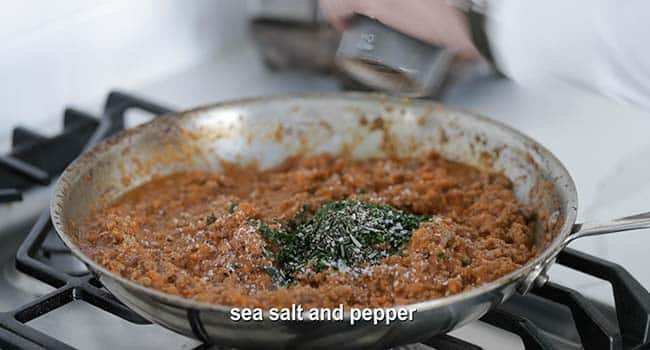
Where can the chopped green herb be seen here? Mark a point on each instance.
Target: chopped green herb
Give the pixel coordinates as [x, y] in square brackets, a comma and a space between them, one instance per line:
[441, 255]
[320, 265]
[268, 252]
[277, 276]
[361, 191]
[464, 263]
[268, 233]
[339, 234]
[210, 219]
[299, 217]
[231, 207]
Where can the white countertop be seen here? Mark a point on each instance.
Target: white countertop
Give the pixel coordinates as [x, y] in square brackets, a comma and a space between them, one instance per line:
[604, 145]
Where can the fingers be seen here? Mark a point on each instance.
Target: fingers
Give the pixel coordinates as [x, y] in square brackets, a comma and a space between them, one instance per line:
[340, 12]
[433, 21]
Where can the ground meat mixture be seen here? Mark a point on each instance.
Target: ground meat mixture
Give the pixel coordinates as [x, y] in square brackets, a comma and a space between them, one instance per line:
[196, 234]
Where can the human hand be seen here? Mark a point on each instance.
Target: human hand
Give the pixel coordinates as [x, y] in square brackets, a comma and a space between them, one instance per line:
[433, 21]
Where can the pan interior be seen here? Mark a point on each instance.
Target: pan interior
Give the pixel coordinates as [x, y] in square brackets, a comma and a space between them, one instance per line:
[263, 132]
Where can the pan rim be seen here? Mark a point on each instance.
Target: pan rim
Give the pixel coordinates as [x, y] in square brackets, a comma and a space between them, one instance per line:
[540, 260]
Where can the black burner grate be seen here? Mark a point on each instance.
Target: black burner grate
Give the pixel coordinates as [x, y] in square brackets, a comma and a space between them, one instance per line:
[551, 312]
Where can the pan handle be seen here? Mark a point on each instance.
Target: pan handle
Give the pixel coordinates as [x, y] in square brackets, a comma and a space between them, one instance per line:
[634, 222]
[538, 276]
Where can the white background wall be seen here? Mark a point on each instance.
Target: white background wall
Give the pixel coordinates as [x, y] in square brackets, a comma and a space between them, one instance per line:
[53, 53]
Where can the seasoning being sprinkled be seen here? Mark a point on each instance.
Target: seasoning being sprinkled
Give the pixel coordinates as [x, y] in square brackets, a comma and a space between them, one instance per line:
[340, 235]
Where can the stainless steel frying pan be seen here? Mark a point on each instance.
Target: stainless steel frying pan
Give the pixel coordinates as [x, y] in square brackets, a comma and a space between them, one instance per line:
[266, 131]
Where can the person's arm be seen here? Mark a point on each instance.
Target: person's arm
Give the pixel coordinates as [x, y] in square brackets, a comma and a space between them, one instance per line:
[601, 45]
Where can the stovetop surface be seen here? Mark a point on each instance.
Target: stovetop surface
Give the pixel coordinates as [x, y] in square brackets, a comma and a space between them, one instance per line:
[49, 300]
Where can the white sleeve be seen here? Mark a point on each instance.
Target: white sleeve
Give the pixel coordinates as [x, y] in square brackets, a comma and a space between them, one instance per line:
[601, 45]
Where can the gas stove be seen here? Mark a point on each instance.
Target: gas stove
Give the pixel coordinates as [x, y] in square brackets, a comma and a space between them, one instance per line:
[49, 300]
